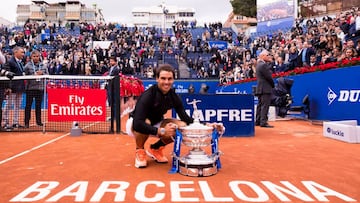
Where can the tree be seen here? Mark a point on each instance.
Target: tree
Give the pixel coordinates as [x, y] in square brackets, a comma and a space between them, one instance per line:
[244, 7]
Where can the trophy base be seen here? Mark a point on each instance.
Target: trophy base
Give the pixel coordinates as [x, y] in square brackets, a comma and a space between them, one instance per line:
[198, 164]
[197, 170]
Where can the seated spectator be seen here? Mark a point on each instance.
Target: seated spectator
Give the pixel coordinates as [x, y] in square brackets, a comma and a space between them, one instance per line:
[324, 57]
[334, 56]
[357, 48]
[348, 54]
[313, 61]
[279, 65]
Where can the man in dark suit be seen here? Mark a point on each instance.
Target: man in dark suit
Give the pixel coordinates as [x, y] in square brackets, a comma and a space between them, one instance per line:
[15, 65]
[264, 88]
[113, 71]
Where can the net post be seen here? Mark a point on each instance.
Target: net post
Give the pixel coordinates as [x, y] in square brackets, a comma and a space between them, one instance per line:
[116, 96]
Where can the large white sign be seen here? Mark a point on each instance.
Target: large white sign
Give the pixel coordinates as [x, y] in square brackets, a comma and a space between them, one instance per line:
[182, 191]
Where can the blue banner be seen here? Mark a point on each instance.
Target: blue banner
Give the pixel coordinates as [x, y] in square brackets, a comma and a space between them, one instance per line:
[235, 111]
[219, 44]
[268, 27]
[334, 94]
[182, 86]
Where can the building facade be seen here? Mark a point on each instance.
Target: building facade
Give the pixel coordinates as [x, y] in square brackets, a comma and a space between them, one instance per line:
[162, 16]
[239, 23]
[60, 13]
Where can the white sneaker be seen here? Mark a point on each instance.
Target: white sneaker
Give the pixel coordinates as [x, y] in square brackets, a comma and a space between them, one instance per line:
[140, 158]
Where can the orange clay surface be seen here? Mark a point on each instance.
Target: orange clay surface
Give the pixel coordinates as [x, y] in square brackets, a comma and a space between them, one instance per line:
[290, 162]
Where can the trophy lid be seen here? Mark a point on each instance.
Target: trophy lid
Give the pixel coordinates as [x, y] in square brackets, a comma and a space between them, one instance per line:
[196, 126]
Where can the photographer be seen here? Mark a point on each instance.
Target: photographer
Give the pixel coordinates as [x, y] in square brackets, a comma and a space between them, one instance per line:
[3, 84]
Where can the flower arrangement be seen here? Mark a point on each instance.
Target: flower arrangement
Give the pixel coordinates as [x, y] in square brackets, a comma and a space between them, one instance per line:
[303, 70]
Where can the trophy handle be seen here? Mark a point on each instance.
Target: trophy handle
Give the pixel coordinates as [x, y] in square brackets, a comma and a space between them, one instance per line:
[176, 153]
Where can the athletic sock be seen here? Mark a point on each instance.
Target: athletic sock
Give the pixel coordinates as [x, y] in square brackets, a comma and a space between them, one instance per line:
[157, 145]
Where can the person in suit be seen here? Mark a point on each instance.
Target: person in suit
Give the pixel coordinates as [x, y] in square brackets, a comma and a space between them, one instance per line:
[15, 65]
[313, 61]
[264, 88]
[34, 88]
[113, 71]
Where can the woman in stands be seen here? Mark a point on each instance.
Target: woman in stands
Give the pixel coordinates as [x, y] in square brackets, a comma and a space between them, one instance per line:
[348, 54]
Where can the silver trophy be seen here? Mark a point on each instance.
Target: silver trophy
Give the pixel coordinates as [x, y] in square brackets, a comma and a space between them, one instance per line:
[197, 136]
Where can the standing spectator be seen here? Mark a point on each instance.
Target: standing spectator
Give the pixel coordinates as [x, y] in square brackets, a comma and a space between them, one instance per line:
[264, 88]
[34, 88]
[293, 54]
[114, 71]
[16, 66]
[305, 54]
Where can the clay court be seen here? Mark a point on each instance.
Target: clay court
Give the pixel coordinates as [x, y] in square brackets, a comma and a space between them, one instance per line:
[291, 162]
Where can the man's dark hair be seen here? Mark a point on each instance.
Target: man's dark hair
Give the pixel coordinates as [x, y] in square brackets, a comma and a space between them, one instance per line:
[165, 67]
[113, 58]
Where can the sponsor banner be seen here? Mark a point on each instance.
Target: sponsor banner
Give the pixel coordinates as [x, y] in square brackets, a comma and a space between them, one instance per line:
[342, 130]
[274, 9]
[236, 112]
[334, 96]
[76, 104]
[278, 24]
[102, 44]
[219, 44]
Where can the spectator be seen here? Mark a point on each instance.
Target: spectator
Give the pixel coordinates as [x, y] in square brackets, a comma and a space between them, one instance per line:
[280, 66]
[3, 85]
[34, 88]
[264, 88]
[114, 71]
[313, 61]
[293, 58]
[15, 65]
[348, 54]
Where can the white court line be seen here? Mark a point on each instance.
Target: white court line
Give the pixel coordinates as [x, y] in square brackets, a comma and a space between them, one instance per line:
[33, 149]
[39, 146]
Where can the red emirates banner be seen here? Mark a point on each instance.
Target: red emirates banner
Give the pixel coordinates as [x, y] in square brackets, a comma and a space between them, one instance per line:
[76, 104]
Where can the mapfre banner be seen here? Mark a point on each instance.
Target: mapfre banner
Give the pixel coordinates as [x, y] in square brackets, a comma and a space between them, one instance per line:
[77, 105]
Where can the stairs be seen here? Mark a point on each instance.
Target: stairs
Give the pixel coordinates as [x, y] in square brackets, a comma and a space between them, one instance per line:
[183, 70]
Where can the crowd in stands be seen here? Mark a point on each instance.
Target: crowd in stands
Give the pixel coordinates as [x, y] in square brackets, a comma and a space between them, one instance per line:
[70, 50]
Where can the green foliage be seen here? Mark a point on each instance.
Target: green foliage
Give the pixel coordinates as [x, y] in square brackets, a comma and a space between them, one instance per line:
[244, 7]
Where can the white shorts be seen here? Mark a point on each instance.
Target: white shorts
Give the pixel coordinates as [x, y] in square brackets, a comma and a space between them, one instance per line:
[129, 125]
